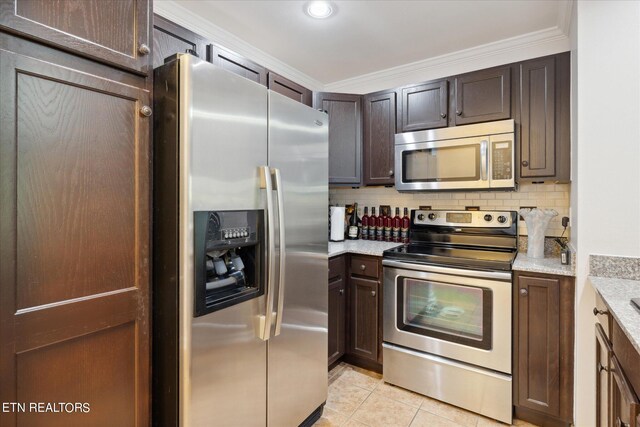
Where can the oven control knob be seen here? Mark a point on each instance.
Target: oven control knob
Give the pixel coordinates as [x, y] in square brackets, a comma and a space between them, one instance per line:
[502, 219]
[488, 217]
[420, 217]
[432, 216]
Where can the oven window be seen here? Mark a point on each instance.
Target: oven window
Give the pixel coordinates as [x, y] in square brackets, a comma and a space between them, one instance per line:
[456, 313]
[459, 163]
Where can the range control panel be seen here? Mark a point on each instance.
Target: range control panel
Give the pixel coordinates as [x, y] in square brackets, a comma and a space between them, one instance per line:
[492, 219]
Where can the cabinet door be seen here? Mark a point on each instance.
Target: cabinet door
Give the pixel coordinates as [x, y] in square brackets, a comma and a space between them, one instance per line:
[603, 367]
[235, 63]
[170, 38]
[112, 31]
[74, 238]
[544, 354]
[379, 138]
[337, 305]
[423, 106]
[544, 118]
[483, 96]
[363, 318]
[625, 408]
[289, 89]
[345, 136]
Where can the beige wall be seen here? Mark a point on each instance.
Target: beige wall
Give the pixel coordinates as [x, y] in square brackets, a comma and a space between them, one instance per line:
[548, 195]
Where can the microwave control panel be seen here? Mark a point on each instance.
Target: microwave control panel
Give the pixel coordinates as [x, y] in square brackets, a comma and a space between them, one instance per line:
[502, 159]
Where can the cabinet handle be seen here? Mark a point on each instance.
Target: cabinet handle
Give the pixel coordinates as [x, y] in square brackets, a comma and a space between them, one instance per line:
[144, 49]
[596, 311]
[619, 423]
[373, 293]
[602, 368]
[390, 172]
[145, 111]
[341, 291]
[363, 267]
[459, 112]
[524, 292]
[525, 163]
[443, 115]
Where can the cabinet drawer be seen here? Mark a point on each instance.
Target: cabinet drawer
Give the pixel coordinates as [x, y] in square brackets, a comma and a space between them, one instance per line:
[363, 266]
[336, 267]
[602, 314]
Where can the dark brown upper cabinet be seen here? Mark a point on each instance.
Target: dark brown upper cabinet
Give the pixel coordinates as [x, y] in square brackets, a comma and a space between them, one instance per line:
[543, 114]
[345, 136]
[75, 139]
[170, 38]
[423, 106]
[543, 348]
[482, 96]
[289, 89]
[113, 31]
[235, 63]
[379, 138]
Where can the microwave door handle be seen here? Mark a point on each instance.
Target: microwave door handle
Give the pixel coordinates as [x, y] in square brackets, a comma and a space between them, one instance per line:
[282, 251]
[265, 320]
[484, 160]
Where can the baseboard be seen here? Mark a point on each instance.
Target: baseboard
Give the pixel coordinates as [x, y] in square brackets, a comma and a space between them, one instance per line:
[363, 363]
[538, 418]
[315, 416]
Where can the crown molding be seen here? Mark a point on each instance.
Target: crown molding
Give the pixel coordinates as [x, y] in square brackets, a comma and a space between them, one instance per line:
[539, 43]
[565, 9]
[174, 12]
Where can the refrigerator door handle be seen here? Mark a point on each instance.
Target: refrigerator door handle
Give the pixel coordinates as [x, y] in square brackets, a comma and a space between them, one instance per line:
[265, 321]
[281, 270]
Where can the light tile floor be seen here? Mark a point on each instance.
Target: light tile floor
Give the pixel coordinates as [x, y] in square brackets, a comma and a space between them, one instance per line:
[359, 398]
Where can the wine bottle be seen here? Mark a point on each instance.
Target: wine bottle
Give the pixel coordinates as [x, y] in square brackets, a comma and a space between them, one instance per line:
[380, 227]
[397, 225]
[404, 230]
[388, 227]
[353, 233]
[364, 233]
[373, 219]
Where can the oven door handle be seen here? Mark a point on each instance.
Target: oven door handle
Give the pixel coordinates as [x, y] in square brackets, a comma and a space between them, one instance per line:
[498, 275]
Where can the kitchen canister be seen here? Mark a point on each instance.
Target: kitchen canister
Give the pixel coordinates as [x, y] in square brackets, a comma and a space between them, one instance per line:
[537, 221]
[337, 223]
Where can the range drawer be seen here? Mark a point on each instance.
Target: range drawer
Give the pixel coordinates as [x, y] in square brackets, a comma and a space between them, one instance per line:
[336, 267]
[365, 266]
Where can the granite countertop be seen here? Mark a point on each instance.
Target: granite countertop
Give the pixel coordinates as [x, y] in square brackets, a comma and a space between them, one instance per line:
[365, 247]
[616, 294]
[549, 265]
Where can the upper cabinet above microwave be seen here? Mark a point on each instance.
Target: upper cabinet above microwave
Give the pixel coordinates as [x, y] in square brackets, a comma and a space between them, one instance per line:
[479, 96]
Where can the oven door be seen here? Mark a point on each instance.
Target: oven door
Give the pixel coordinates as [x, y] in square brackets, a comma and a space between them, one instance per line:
[455, 313]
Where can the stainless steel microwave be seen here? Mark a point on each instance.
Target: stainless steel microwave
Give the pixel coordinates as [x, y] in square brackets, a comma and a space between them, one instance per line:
[472, 157]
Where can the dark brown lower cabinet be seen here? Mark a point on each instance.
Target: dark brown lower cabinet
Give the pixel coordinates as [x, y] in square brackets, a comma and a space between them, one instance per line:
[625, 408]
[604, 352]
[363, 340]
[543, 348]
[337, 309]
[74, 238]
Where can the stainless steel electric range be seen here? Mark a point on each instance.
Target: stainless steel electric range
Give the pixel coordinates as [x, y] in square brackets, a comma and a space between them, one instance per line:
[447, 309]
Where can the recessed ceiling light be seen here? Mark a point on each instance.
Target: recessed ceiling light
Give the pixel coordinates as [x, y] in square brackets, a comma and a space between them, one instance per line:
[319, 9]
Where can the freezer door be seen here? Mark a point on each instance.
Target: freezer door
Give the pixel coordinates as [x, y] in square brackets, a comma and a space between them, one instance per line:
[223, 138]
[297, 350]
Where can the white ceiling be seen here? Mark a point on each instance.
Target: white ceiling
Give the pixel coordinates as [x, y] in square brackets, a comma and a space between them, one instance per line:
[368, 36]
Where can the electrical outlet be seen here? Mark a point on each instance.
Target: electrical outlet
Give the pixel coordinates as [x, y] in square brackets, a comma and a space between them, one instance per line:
[565, 221]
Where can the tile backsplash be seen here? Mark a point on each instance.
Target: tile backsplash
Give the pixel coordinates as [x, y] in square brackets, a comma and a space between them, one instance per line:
[546, 195]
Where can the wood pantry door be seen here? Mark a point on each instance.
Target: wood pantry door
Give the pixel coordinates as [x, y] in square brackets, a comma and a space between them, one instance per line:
[74, 240]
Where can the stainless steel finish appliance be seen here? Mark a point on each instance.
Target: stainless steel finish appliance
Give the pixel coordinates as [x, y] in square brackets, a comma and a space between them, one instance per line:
[447, 309]
[472, 157]
[240, 252]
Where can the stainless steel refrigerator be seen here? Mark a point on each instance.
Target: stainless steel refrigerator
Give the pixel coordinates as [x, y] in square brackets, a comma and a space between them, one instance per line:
[240, 252]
